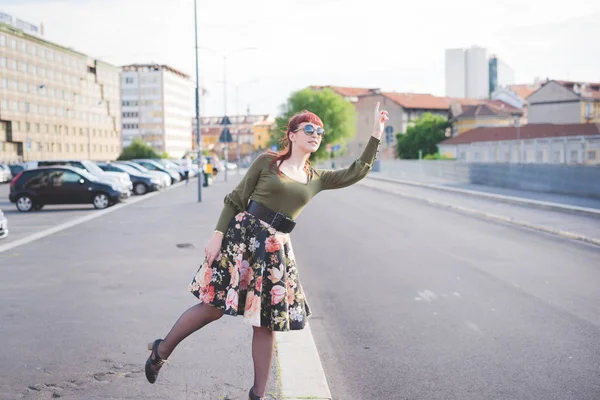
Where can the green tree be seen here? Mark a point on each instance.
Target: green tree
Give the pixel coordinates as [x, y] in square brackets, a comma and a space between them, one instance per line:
[337, 114]
[137, 149]
[164, 155]
[428, 130]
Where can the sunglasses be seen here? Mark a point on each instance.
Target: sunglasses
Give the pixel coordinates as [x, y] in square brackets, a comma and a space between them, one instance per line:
[310, 130]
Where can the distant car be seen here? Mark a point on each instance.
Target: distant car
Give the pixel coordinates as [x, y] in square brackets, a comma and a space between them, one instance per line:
[163, 176]
[118, 178]
[142, 183]
[156, 166]
[34, 188]
[5, 174]
[15, 169]
[3, 226]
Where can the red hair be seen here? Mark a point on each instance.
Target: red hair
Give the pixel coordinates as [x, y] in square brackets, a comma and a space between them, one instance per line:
[286, 143]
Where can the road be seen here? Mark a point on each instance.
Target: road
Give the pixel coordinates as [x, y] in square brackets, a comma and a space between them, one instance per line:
[416, 302]
[410, 301]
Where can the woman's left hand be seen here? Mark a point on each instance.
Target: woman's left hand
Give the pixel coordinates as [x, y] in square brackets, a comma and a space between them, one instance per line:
[381, 117]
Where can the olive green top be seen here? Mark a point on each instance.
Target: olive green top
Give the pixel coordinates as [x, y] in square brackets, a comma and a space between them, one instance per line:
[286, 195]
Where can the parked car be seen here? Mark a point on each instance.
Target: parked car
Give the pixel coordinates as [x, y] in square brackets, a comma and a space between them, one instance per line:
[163, 176]
[156, 166]
[32, 189]
[142, 183]
[15, 169]
[5, 174]
[3, 226]
[119, 178]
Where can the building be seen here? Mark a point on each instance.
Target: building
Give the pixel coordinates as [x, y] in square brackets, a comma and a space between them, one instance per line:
[157, 104]
[565, 102]
[533, 143]
[456, 84]
[252, 132]
[403, 108]
[55, 102]
[500, 74]
[467, 73]
[488, 113]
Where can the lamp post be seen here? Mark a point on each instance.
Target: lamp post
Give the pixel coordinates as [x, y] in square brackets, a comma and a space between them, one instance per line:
[198, 133]
[237, 112]
[225, 56]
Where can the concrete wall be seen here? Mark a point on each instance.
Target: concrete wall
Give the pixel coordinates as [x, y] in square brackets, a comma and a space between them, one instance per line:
[565, 179]
[555, 113]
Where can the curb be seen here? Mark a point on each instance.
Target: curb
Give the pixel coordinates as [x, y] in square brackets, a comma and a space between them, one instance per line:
[495, 217]
[499, 197]
[301, 373]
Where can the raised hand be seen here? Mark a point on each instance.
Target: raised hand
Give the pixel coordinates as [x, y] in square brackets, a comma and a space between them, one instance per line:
[381, 117]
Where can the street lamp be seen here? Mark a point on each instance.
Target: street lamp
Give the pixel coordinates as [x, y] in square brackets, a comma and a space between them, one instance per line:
[237, 112]
[225, 55]
[198, 141]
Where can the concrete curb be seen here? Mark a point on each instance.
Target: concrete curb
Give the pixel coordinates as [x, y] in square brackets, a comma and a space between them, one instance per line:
[301, 373]
[499, 197]
[499, 218]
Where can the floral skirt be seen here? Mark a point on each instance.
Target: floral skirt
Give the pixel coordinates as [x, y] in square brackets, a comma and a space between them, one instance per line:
[254, 275]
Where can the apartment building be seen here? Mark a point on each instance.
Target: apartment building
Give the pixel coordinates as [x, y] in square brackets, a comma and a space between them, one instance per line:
[55, 102]
[157, 105]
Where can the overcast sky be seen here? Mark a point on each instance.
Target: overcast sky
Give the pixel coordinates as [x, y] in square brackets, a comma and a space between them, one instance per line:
[389, 44]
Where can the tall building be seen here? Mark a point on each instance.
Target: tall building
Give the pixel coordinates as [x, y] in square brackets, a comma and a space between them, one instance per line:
[55, 102]
[157, 105]
[467, 73]
[501, 75]
[456, 85]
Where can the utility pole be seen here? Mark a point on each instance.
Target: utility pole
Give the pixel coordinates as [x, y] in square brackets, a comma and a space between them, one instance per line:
[198, 140]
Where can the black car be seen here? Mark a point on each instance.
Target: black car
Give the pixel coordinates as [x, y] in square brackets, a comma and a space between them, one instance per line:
[34, 188]
[142, 183]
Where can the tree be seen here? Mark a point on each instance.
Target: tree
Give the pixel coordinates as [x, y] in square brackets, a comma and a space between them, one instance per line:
[137, 149]
[338, 116]
[428, 130]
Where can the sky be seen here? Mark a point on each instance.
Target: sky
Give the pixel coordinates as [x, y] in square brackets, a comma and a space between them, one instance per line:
[291, 44]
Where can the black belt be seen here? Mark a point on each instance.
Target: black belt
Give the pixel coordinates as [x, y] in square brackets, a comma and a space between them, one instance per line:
[276, 219]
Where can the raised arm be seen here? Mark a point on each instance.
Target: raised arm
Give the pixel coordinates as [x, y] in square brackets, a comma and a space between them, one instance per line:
[361, 167]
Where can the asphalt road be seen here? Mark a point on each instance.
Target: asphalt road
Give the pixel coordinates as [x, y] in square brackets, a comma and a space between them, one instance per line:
[416, 302]
[409, 302]
[79, 307]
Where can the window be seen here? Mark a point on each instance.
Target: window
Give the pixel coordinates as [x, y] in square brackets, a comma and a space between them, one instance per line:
[556, 156]
[71, 177]
[23, 67]
[574, 156]
[24, 47]
[14, 64]
[33, 50]
[3, 62]
[2, 40]
[13, 44]
[129, 80]
[591, 155]
[32, 69]
[4, 83]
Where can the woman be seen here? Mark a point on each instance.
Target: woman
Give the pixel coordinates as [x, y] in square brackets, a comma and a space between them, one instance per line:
[249, 268]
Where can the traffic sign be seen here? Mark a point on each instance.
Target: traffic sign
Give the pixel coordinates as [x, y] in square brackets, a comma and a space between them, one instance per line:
[389, 129]
[337, 147]
[225, 121]
[225, 136]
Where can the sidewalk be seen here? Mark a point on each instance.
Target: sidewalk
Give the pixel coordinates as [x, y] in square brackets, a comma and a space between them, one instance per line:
[105, 288]
[574, 222]
[562, 202]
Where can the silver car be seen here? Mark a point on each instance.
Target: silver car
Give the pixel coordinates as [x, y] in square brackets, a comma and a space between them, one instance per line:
[5, 175]
[3, 226]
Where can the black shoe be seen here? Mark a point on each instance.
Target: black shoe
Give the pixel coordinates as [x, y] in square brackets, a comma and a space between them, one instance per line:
[154, 360]
[252, 396]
